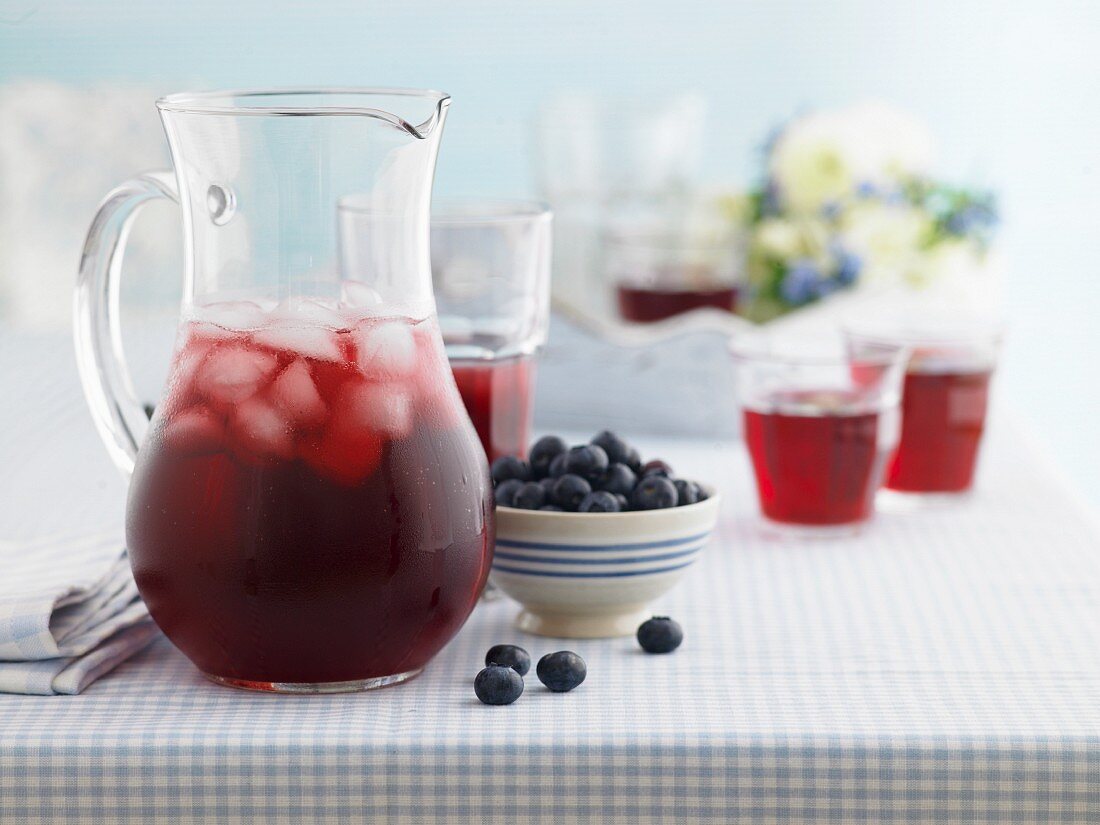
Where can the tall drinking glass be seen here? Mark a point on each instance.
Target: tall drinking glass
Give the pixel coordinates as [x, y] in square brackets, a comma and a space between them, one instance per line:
[944, 401]
[491, 273]
[819, 424]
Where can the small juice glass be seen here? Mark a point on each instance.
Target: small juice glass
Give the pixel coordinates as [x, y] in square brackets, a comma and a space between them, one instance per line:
[660, 275]
[945, 398]
[491, 275]
[819, 425]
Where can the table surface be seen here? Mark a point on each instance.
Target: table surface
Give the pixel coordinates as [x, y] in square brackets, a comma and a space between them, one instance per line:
[942, 666]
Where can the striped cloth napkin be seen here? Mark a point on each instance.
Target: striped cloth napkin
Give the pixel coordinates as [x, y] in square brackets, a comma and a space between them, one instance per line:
[69, 612]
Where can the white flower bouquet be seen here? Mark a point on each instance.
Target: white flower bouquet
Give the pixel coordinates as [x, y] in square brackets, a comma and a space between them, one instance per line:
[847, 199]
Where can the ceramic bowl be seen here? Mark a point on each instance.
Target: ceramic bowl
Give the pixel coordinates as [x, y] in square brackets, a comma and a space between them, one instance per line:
[592, 575]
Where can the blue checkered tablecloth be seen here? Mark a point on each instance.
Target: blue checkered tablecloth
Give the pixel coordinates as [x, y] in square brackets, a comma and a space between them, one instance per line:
[943, 667]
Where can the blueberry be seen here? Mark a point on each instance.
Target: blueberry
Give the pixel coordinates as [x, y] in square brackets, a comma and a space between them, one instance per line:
[530, 496]
[654, 493]
[551, 508]
[557, 466]
[618, 479]
[511, 656]
[687, 492]
[599, 502]
[547, 485]
[508, 466]
[624, 502]
[561, 671]
[634, 461]
[656, 467]
[570, 490]
[498, 685]
[505, 493]
[543, 452]
[660, 635]
[587, 461]
[617, 450]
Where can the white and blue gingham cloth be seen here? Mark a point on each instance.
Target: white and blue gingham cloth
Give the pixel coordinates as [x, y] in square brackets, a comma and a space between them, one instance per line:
[69, 612]
[943, 667]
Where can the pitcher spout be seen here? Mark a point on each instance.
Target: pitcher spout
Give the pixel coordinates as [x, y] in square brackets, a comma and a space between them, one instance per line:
[261, 175]
[417, 112]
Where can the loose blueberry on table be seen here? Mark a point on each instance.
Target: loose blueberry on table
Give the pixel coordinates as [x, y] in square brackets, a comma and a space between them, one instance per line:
[561, 671]
[660, 635]
[498, 685]
[512, 656]
[606, 475]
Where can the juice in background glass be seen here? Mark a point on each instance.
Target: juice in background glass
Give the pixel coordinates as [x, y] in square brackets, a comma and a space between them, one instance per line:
[942, 421]
[299, 513]
[498, 397]
[820, 425]
[645, 304]
[661, 273]
[491, 274]
[817, 456]
[944, 402]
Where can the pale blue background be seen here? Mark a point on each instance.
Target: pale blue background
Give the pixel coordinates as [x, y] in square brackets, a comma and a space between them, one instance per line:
[1012, 90]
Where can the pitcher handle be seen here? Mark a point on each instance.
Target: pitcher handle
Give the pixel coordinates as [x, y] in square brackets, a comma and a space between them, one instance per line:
[119, 416]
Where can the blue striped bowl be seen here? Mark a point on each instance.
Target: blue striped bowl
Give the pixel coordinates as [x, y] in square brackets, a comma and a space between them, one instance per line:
[590, 575]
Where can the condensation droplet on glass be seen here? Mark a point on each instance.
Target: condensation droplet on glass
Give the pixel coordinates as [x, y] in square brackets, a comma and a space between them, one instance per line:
[221, 203]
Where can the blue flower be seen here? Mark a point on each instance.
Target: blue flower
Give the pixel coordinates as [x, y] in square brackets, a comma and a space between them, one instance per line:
[895, 197]
[848, 266]
[801, 283]
[975, 218]
[866, 189]
[826, 286]
[772, 204]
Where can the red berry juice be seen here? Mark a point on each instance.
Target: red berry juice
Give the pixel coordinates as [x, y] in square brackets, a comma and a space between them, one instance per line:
[498, 396]
[818, 457]
[311, 505]
[647, 304]
[942, 419]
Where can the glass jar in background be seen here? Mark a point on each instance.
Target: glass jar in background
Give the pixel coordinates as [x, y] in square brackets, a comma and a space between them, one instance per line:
[596, 159]
[491, 275]
[659, 275]
[945, 400]
[820, 424]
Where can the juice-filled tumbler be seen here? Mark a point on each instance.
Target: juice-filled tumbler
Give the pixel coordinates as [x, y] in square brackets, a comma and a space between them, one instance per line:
[820, 425]
[945, 399]
[491, 273]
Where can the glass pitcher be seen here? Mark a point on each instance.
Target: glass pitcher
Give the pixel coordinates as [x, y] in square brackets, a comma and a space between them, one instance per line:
[310, 508]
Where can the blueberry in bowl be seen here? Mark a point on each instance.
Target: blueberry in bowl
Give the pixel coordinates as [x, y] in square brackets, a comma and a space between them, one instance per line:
[591, 534]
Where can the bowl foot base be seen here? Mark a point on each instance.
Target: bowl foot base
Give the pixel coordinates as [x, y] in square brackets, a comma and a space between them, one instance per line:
[573, 626]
